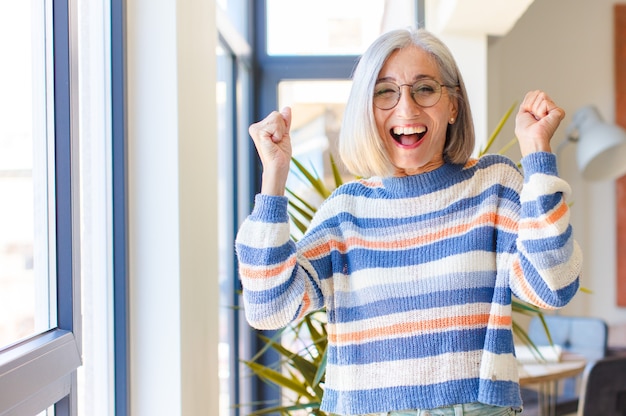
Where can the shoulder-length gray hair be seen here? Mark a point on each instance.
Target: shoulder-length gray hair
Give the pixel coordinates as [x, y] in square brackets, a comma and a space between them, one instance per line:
[360, 147]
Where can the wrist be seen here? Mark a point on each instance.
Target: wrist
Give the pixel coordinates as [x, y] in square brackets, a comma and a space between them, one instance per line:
[273, 183]
[533, 147]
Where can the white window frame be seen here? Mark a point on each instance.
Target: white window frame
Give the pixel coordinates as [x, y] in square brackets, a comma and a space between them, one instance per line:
[40, 371]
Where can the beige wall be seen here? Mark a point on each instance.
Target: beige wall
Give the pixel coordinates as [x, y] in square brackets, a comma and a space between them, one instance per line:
[172, 217]
[566, 48]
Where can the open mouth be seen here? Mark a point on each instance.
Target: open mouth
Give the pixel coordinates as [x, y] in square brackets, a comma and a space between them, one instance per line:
[408, 136]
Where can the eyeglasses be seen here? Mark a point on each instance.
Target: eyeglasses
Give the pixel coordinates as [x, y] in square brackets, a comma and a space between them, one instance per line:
[425, 93]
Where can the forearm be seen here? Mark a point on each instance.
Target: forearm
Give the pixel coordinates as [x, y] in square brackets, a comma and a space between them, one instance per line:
[549, 259]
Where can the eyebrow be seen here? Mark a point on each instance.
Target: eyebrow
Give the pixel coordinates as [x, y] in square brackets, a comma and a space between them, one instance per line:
[415, 78]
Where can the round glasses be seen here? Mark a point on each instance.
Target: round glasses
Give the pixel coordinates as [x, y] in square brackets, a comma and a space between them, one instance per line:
[425, 93]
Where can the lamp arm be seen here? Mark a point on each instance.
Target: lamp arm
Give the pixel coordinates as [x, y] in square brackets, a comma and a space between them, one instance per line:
[571, 136]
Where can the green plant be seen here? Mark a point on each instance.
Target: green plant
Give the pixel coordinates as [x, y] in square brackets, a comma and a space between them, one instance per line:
[301, 367]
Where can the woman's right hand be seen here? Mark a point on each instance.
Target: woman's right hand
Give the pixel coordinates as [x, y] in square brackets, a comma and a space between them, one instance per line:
[273, 144]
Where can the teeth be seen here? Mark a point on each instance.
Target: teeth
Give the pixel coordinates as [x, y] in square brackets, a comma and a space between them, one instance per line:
[409, 130]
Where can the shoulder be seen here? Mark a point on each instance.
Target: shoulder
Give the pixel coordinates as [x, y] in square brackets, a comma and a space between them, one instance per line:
[494, 164]
[495, 170]
[358, 188]
[492, 161]
[348, 196]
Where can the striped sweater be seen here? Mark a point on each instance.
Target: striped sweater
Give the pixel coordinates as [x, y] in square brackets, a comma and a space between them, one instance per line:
[417, 274]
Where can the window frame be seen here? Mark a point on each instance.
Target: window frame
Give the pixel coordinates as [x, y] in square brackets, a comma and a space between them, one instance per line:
[237, 46]
[119, 216]
[40, 371]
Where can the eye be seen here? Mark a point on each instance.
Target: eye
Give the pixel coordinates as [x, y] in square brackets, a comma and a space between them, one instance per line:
[425, 87]
[385, 90]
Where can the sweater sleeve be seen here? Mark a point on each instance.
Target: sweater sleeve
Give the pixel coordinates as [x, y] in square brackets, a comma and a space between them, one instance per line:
[545, 272]
[279, 285]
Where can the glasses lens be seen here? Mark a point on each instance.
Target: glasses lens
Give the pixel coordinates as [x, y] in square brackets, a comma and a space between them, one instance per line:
[386, 95]
[426, 92]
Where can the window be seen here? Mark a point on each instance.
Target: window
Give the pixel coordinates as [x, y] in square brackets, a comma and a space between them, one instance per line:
[233, 104]
[39, 355]
[330, 28]
[26, 255]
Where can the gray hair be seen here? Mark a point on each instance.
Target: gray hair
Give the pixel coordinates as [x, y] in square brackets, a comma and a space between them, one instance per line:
[360, 147]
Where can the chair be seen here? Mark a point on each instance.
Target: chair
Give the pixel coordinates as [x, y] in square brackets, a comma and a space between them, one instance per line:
[603, 389]
[584, 336]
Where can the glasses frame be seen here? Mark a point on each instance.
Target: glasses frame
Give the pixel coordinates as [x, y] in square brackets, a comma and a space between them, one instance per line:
[412, 92]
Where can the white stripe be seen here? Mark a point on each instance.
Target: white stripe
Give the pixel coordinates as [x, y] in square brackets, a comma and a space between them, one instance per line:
[263, 235]
[540, 184]
[416, 372]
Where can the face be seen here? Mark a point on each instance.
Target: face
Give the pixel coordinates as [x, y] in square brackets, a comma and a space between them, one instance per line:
[414, 136]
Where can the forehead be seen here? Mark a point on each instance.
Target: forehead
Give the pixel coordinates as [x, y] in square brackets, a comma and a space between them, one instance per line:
[408, 64]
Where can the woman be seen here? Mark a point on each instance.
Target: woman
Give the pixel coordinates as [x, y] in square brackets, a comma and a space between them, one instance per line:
[417, 263]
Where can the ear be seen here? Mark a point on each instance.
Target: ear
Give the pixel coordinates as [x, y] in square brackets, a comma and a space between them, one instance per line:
[453, 107]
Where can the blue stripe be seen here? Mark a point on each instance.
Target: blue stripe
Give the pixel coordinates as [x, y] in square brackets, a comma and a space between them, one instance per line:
[550, 243]
[496, 393]
[499, 341]
[318, 291]
[539, 162]
[462, 208]
[478, 239]
[274, 294]
[556, 298]
[540, 206]
[265, 256]
[270, 209]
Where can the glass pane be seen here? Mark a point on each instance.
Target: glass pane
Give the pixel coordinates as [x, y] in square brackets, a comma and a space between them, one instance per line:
[317, 108]
[24, 170]
[332, 27]
[237, 11]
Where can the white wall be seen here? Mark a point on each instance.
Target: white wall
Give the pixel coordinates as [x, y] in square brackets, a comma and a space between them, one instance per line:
[566, 48]
[172, 167]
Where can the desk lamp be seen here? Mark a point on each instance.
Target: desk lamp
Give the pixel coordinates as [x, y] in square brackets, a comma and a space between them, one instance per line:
[601, 153]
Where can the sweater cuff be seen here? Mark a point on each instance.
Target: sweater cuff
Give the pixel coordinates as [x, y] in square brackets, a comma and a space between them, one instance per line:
[270, 208]
[539, 162]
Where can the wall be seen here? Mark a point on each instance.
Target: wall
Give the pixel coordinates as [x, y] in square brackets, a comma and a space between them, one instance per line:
[565, 47]
[173, 254]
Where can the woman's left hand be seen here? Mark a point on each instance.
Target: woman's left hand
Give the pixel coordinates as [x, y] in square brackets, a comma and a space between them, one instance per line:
[536, 121]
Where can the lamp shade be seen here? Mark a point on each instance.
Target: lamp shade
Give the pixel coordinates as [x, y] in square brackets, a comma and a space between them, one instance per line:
[601, 152]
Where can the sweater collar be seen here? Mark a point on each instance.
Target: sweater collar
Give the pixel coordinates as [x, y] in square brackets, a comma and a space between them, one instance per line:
[422, 183]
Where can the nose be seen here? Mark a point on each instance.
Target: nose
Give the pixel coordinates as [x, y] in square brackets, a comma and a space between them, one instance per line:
[406, 104]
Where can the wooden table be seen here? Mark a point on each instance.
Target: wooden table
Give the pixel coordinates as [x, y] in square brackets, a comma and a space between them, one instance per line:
[546, 377]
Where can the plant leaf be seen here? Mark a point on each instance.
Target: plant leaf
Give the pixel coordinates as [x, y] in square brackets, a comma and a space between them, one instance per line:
[278, 379]
[317, 183]
[336, 173]
[498, 128]
[307, 205]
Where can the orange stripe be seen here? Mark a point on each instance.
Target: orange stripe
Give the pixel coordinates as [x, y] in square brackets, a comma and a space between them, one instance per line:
[440, 324]
[528, 291]
[306, 302]
[267, 273]
[554, 217]
[342, 246]
[470, 163]
[371, 184]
